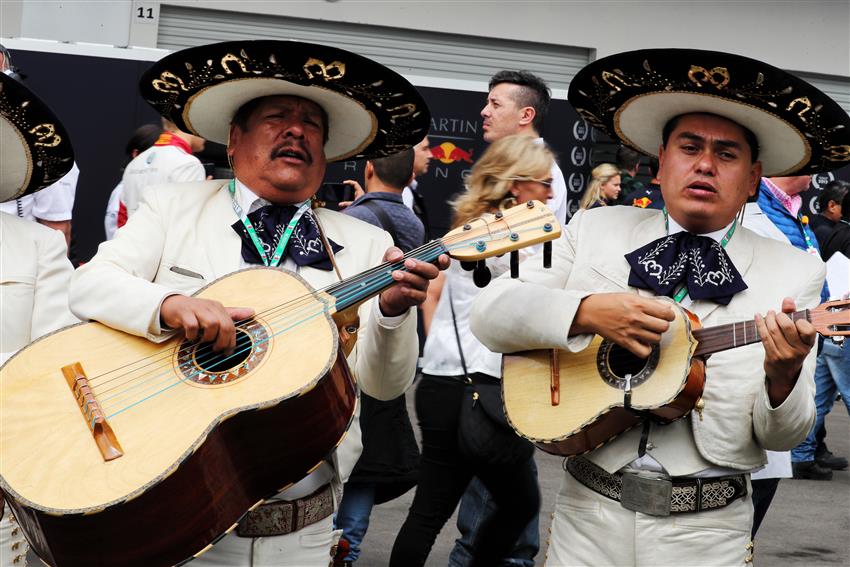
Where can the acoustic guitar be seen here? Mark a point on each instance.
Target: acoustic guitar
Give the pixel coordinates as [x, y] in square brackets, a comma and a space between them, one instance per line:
[118, 451]
[570, 403]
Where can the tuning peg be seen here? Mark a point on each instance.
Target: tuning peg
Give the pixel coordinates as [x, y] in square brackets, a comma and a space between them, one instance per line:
[481, 275]
[515, 264]
[468, 266]
[547, 254]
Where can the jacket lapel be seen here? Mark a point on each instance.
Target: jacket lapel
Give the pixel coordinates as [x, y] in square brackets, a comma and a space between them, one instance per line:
[223, 246]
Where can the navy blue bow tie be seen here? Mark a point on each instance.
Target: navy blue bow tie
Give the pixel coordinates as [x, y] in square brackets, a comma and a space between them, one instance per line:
[684, 258]
[305, 246]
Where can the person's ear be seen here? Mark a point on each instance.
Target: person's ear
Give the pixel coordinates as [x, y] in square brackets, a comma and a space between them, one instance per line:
[527, 115]
[755, 178]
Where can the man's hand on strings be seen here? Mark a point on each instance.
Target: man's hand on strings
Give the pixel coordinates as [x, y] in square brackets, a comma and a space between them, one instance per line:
[203, 319]
[412, 285]
[786, 345]
[631, 321]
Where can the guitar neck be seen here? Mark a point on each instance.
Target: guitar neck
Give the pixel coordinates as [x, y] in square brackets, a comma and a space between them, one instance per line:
[370, 283]
[733, 335]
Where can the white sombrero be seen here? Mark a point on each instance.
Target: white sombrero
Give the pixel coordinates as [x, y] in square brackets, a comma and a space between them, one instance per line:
[372, 110]
[633, 95]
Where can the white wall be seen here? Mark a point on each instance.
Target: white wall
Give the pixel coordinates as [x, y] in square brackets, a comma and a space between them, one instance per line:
[801, 35]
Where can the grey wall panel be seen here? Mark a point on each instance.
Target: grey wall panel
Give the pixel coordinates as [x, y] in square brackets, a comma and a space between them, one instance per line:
[409, 52]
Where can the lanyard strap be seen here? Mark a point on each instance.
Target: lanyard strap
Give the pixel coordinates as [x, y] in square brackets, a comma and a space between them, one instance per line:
[258, 244]
[810, 246]
[680, 293]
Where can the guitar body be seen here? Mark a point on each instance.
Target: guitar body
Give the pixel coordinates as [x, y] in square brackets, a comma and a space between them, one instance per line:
[591, 406]
[200, 445]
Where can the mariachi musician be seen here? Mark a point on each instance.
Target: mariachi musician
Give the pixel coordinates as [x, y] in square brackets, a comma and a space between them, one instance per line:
[678, 494]
[35, 151]
[284, 109]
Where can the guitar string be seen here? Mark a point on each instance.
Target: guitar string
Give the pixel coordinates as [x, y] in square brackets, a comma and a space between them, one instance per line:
[164, 389]
[456, 242]
[169, 375]
[360, 290]
[718, 328]
[297, 309]
[386, 278]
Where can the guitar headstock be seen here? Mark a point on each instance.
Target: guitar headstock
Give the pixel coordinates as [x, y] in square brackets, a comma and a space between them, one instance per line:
[495, 234]
[832, 319]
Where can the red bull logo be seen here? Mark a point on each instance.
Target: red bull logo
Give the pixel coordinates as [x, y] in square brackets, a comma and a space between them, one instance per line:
[447, 152]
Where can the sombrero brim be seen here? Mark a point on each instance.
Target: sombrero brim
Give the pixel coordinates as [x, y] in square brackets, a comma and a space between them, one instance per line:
[35, 150]
[633, 95]
[372, 110]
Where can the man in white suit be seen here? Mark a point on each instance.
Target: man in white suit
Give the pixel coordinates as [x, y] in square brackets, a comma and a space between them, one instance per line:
[714, 133]
[34, 267]
[280, 133]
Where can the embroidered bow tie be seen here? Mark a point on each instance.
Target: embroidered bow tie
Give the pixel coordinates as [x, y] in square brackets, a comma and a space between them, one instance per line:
[305, 246]
[698, 262]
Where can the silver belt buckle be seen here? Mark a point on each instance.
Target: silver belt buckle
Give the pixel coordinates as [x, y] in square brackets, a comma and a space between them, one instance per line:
[647, 493]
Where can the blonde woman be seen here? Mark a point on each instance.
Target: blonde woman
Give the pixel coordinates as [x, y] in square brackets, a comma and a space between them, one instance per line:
[604, 187]
[512, 171]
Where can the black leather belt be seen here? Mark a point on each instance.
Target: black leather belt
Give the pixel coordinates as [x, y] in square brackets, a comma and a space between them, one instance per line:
[685, 494]
[286, 516]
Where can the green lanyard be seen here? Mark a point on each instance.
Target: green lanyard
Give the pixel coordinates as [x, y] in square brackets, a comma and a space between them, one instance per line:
[680, 293]
[284, 238]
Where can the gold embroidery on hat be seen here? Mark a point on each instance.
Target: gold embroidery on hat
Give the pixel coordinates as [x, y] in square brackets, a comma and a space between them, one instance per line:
[618, 75]
[164, 85]
[838, 153]
[318, 67]
[232, 58]
[406, 110]
[46, 135]
[709, 76]
[807, 105]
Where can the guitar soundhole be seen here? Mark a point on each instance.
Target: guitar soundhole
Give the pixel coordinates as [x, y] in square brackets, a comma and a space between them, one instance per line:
[614, 363]
[199, 364]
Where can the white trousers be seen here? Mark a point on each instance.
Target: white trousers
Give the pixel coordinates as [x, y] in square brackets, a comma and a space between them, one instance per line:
[590, 529]
[308, 547]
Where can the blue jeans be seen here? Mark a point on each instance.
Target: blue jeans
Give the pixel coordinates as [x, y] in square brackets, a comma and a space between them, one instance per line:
[475, 506]
[352, 517]
[832, 374]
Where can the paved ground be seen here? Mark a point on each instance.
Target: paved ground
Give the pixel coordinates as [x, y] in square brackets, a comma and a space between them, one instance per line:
[808, 524]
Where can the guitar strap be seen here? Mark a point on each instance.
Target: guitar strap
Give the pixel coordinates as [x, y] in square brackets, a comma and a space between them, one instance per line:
[457, 334]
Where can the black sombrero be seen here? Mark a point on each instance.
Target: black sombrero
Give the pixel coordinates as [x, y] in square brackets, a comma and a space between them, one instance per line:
[372, 110]
[633, 95]
[35, 150]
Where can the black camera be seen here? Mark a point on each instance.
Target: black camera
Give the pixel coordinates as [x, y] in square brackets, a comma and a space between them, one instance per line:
[330, 195]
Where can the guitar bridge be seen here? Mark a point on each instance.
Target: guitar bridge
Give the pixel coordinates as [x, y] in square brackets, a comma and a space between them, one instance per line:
[103, 435]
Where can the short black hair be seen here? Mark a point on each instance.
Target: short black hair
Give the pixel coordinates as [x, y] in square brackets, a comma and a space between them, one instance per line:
[834, 191]
[845, 207]
[243, 115]
[750, 138]
[627, 158]
[144, 137]
[395, 170]
[534, 93]
[653, 166]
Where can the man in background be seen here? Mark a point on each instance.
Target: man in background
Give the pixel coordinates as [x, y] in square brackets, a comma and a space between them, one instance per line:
[169, 160]
[389, 464]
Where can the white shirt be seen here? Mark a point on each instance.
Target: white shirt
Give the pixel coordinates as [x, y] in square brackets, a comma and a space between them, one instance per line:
[440, 356]
[110, 219]
[53, 203]
[154, 166]
[558, 203]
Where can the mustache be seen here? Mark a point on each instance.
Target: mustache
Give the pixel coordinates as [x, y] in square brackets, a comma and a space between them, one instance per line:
[289, 146]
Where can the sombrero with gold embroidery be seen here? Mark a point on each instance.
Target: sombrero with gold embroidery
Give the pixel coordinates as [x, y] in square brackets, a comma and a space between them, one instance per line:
[35, 150]
[372, 110]
[632, 95]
